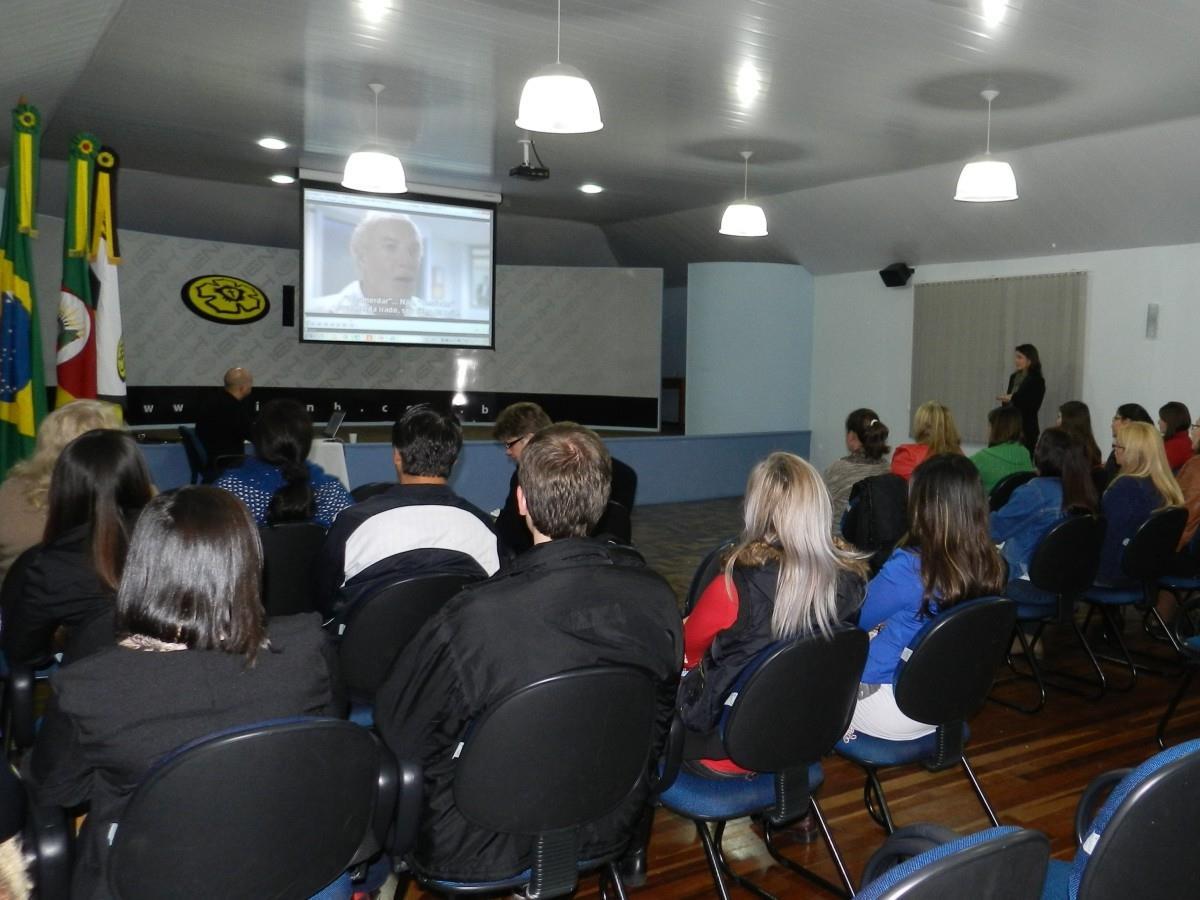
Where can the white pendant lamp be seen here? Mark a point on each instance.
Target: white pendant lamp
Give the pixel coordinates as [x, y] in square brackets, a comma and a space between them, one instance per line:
[744, 219]
[557, 99]
[371, 168]
[987, 180]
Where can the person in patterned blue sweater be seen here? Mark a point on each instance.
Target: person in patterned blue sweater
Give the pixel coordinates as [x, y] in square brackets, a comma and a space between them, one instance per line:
[278, 483]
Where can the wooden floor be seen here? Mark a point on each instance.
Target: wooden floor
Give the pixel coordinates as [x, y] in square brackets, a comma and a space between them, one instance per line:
[1033, 768]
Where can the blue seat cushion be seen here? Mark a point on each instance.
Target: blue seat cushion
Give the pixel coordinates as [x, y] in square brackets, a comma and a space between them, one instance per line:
[728, 797]
[867, 750]
[362, 714]
[1180, 582]
[1114, 595]
[1058, 881]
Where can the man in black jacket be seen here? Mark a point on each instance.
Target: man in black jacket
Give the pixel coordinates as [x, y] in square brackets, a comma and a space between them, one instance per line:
[568, 602]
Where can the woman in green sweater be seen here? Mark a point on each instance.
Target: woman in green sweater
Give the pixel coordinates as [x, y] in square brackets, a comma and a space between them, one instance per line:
[1004, 454]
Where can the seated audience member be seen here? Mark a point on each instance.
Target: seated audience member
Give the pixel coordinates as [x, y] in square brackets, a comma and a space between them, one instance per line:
[934, 432]
[1005, 454]
[99, 486]
[1188, 478]
[1144, 483]
[946, 557]
[1174, 422]
[278, 483]
[567, 603]
[866, 441]
[785, 578]
[418, 527]
[1076, 418]
[514, 427]
[24, 490]
[1126, 413]
[224, 422]
[194, 658]
[1063, 485]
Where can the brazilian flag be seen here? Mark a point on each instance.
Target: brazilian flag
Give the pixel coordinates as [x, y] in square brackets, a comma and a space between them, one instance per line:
[22, 380]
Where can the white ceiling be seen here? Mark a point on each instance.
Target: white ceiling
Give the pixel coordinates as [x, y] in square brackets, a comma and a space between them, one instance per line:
[865, 112]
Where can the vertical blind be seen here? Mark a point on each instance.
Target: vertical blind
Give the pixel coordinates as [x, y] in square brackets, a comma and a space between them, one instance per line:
[964, 333]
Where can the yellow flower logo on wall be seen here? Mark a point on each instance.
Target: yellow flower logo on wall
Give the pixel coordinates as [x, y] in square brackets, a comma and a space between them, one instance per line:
[225, 299]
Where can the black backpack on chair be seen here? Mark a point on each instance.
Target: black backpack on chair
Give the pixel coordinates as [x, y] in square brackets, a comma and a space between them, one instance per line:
[877, 516]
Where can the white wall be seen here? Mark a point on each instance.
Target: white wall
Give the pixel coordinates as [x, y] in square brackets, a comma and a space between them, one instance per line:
[749, 347]
[862, 352]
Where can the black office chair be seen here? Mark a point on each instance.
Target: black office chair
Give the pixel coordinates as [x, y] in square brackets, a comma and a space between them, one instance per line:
[1186, 629]
[290, 552]
[528, 766]
[705, 573]
[370, 489]
[45, 836]
[615, 525]
[379, 628]
[1142, 843]
[1063, 567]
[20, 675]
[1146, 559]
[877, 516]
[1006, 863]
[1002, 491]
[197, 457]
[945, 679]
[277, 809]
[787, 710]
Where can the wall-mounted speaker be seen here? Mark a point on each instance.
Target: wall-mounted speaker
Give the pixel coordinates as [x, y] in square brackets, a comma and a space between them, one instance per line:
[897, 274]
[289, 305]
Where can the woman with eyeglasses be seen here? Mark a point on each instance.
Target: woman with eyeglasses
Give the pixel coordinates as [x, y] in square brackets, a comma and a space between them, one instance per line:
[1144, 484]
[1126, 413]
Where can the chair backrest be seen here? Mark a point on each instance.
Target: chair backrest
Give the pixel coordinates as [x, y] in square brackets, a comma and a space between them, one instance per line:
[705, 573]
[1149, 552]
[1142, 843]
[1003, 489]
[1066, 560]
[877, 516]
[370, 489]
[197, 457]
[380, 627]
[290, 551]
[947, 669]
[559, 753]
[616, 524]
[796, 703]
[998, 864]
[271, 810]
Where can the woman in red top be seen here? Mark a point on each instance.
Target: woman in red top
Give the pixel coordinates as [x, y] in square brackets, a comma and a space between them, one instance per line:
[935, 432]
[1174, 420]
[784, 578]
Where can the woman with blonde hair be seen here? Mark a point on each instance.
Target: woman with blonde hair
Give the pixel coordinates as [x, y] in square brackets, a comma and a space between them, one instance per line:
[934, 431]
[785, 577]
[23, 503]
[1144, 483]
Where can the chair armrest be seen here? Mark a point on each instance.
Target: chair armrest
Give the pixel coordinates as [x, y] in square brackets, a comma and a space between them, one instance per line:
[19, 702]
[48, 851]
[408, 809]
[905, 843]
[1092, 799]
[662, 777]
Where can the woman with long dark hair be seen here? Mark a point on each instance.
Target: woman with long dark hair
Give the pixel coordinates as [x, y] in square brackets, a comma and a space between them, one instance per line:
[1174, 423]
[194, 657]
[866, 441]
[1026, 390]
[99, 485]
[946, 557]
[278, 483]
[1063, 485]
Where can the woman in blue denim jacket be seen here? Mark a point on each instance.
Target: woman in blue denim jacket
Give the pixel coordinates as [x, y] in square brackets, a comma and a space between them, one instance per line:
[1064, 485]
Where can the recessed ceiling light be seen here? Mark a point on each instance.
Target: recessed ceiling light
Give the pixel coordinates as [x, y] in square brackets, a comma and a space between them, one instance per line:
[272, 143]
[590, 188]
[283, 179]
[749, 83]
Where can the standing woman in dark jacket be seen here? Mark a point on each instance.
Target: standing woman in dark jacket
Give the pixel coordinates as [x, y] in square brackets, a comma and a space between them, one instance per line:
[1026, 389]
[99, 485]
[194, 658]
[786, 577]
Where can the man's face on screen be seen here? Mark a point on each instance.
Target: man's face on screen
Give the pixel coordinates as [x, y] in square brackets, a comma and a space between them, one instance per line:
[389, 260]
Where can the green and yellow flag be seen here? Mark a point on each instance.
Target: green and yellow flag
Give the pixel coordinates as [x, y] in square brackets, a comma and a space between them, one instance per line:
[22, 381]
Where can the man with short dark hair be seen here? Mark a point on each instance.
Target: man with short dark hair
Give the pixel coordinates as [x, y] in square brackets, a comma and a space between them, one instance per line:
[223, 422]
[418, 527]
[569, 602]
